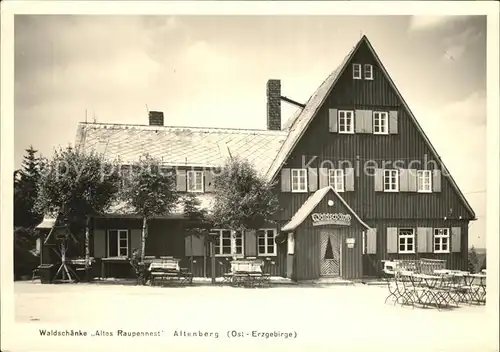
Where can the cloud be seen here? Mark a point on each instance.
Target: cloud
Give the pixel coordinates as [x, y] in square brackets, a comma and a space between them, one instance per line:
[421, 23]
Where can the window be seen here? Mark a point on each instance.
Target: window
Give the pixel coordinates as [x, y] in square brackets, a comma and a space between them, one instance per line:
[368, 71]
[441, 241]
[228, 243]
[118, 243]
[391, 183]
[299, 180]
[195, 181]
[265, 242]
[356, 71]
[424, 183]
[380, 122]
[336, 179]
[125, 175]
[346, 121]
[406, 241]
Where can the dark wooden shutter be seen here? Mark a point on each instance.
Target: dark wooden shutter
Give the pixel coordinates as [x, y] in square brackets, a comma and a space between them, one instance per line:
[135, 239]
[436, 180]
[412, 180]
[323, 177]
[349, 179]
[312, 178]
[209, 181]
[332, 120]
[99, 243]
[393, 122]
[181, 180]
[392, 240]
[198, 245]
[188, 241]
[422, 240]
[456, 239]
[379, 180]
[286, 185]
[403, 180]
[371, 241]
[250, 243]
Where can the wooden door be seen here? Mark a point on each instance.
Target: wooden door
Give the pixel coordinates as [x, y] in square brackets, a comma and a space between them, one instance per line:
[330, 259]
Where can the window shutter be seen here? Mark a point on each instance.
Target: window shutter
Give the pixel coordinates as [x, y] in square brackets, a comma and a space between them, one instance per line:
[250, 243]
[323, 177]
[430, 240]
[99, 243]
[393, 122]
[198, 245]
[371, 241]
[188, 242]
[379, 180]
[332, 120]
[422, 245]
[392, 240]
[291, 243]
[456, 239]
[363, 121]
[135, 239]
[181, 180]
[209, 181]
[436, 180]
[412, 180]
[403, 180]
[312, 178]
[286, 185]
[349, 179]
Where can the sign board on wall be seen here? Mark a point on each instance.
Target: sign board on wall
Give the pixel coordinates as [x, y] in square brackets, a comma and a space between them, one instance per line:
[319, 219]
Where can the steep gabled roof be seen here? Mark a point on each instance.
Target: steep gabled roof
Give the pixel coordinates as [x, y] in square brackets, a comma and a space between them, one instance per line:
[178, 146]
[300, 122]
[310, 204]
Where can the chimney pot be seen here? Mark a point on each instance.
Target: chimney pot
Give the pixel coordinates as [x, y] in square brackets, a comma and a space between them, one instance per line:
[156, 118]
[274, 104]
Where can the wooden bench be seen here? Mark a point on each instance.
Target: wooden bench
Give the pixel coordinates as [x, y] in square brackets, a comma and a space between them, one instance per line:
[168, 270]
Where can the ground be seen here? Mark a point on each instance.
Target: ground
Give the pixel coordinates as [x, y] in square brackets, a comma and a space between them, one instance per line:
[337, 318]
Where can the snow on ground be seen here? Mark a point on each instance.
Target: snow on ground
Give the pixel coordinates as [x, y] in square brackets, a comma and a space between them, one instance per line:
[331, 316]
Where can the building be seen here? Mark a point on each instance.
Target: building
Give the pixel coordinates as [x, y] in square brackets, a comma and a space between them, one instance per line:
[357, 179]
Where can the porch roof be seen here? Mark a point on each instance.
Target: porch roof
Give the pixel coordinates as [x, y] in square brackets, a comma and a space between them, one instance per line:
[48, 222]
[311, 203]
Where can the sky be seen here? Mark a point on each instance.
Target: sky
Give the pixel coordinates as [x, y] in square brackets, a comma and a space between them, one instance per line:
[211, 71]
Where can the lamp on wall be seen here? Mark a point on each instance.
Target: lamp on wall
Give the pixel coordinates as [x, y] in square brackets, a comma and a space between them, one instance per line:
[330, 203]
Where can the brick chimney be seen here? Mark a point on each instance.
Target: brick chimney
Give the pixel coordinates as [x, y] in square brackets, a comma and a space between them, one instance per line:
[156, 118]
[274, 104]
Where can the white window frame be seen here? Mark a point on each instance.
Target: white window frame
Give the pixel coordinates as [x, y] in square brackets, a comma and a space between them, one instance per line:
[336, 178]
[267, 234]
[343, 117]
[394, 173]
[370, 71]
[119, 233]
[219, 249]
[438, 240]
[403, 240]
[382, 117]
[298, 175]
[194, 174]
[356, 71]
[421, 176]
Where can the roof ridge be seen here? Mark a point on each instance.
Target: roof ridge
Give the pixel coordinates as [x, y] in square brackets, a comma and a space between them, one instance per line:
[196, 128]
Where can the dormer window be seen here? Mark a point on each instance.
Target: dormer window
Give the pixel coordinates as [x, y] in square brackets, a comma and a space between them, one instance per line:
[356, 71]
[368, 71]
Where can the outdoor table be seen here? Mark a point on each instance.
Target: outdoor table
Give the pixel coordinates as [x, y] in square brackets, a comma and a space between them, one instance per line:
[167, 269]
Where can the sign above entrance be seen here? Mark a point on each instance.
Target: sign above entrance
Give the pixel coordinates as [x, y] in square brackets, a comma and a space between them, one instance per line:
[320, 219]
